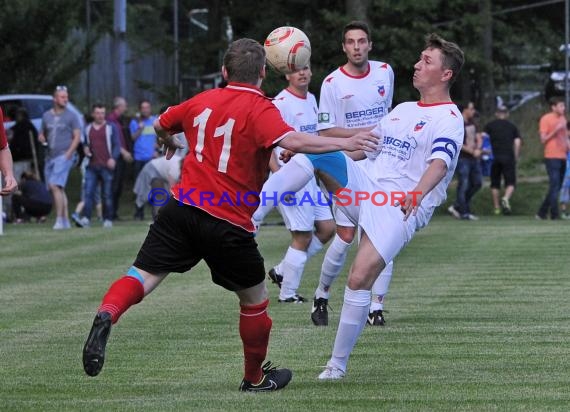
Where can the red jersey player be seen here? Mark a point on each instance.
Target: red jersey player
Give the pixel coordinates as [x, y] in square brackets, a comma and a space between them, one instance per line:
[6, 164]
[230, 134]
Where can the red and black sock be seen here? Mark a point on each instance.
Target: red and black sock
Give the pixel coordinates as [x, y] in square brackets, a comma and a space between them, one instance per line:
[254, 328]
[122, 294]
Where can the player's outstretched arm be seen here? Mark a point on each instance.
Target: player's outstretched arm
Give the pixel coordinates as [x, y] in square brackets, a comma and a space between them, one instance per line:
[307, 143]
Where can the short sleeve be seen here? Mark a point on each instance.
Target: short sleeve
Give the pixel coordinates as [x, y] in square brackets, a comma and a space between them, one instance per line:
[269, 126]
[133, 126]
[326, 116]
[447, 142]
[75, 124]
[172, 119]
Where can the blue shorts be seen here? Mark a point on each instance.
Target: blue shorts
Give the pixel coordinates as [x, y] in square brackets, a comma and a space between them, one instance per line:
[333, 164]
[57, 169]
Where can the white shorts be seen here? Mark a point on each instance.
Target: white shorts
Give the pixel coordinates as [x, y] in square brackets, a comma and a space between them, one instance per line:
[382, 221]
[308, 206]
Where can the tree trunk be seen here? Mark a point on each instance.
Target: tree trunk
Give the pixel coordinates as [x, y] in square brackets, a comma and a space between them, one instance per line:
[357, 9]
[488, 94]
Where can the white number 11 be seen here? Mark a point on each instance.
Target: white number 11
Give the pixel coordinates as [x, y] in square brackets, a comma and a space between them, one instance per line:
[223, 130]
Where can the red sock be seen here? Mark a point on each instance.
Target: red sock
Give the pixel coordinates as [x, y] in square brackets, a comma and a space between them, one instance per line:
[122, 294]
[254, 328]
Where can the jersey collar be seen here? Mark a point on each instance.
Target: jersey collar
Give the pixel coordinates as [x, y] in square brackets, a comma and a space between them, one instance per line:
[245, 87]
[360, 76]
[296, 94]
[433, 104]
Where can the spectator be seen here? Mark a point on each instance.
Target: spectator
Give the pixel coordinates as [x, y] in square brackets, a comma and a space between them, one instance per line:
[554, 137]
[6, 163]
[60, 130]
[32, 200]
[565, 191]
[143, 136]
[158, 173]
[469, 176]
[102, 148]
[486, 155]
[118, 119]
[22, 136]
[505, 144]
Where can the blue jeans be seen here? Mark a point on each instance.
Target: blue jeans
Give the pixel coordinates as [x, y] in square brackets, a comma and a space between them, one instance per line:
[469, 180]
[92, 175]
[556, 168]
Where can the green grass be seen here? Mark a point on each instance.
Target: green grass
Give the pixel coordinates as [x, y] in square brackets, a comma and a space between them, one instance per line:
[478, 321]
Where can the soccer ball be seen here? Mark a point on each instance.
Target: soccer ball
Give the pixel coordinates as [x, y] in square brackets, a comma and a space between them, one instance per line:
[287, 49]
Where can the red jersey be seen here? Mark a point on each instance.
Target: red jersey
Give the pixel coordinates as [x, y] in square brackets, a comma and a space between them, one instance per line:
[3, 139]
[230, 133]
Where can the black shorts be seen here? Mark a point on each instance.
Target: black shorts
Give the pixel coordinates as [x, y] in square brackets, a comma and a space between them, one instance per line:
[183, 235]
[505, 168]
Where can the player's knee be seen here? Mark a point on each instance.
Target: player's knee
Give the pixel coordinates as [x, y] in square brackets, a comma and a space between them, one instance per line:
[346, 233]
[301, 240]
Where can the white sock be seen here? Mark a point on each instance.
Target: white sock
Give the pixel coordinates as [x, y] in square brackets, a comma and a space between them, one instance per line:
[332, 265]
[314, 247]
[290, 178]
[380, 287]
[352, 320]
[292, 266]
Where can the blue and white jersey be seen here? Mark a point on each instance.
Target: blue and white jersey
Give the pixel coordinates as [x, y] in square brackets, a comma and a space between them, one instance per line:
[414, 134]
[298, 112]
[356, 101]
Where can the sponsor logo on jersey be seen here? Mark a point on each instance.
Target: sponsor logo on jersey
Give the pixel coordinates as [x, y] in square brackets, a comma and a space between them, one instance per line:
[308, 128]
[368, 112]
[381, 90]
[300, 114]
[395, 119]
[453, 113]
[324, 117]
[329, 79]
[400, 148]
[419, 126]
[348, 96]
[384, 66]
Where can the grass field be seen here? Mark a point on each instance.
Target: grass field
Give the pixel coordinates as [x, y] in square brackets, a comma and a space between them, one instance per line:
[478, 320]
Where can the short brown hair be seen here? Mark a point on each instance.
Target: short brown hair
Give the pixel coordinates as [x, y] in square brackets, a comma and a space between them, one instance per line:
[554, 100]
[244, 61]
[357, 25]
[453, 57]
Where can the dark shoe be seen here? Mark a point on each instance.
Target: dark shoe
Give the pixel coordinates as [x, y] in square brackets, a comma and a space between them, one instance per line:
[139, 213]
[273, 379]
[94, 349]
[320, 313]
[376, 318]
[293, 299]
[275, 277]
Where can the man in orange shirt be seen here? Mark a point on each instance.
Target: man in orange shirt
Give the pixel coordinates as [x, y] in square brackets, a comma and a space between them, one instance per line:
[553, 135]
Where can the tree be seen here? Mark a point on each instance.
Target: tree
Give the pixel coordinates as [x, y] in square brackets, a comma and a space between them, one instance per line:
[39, 46]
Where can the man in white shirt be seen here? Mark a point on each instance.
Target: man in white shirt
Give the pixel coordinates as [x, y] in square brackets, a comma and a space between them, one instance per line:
[405, 181]
[307, 215]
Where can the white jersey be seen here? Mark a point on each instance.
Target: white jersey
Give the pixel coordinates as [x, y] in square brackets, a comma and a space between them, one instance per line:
[415, 134]
[356, 101]
[298, 112]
